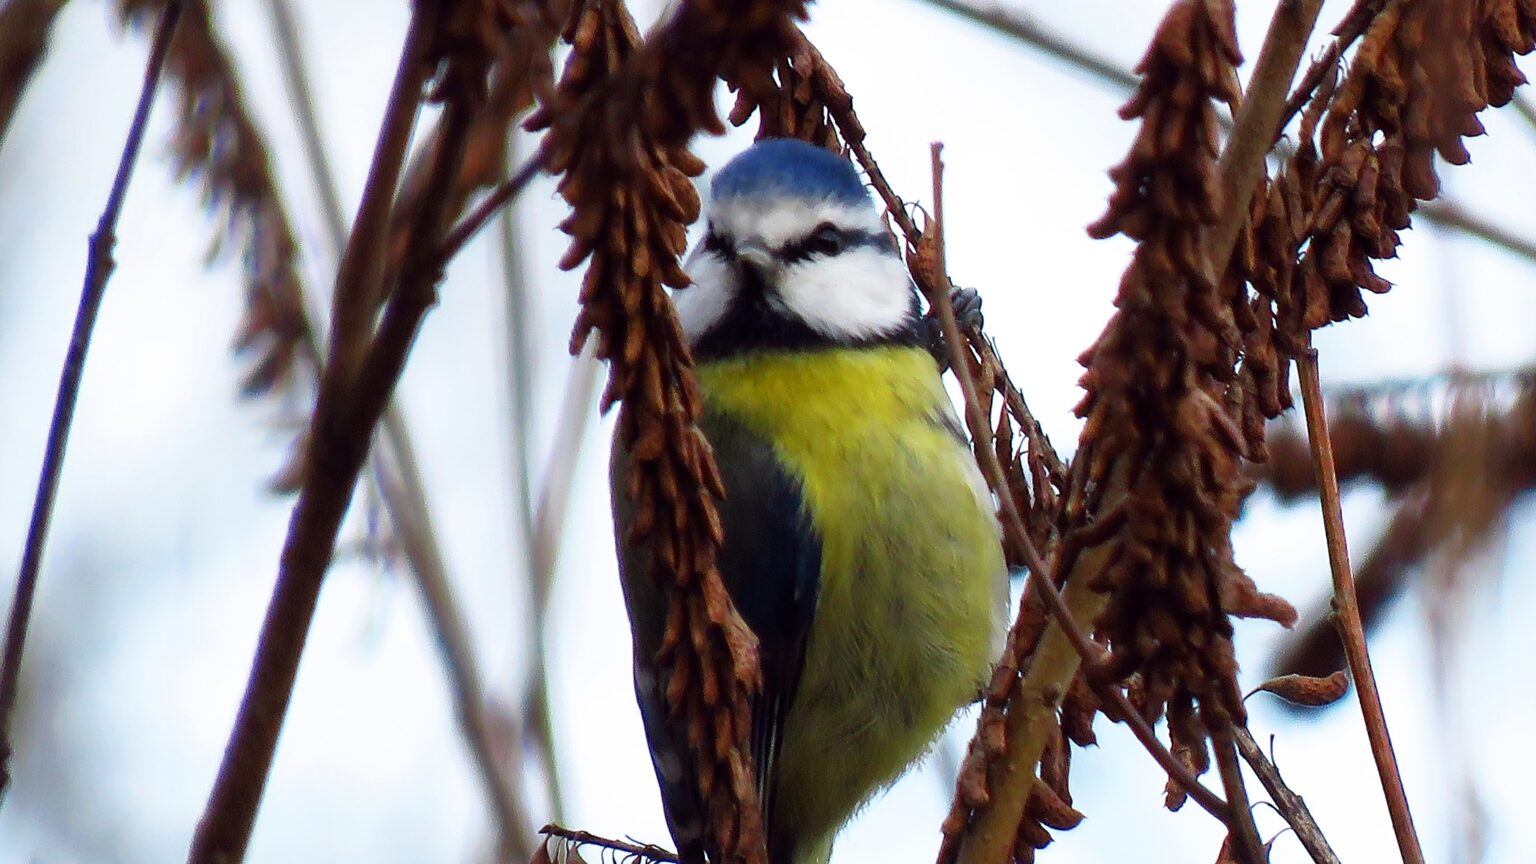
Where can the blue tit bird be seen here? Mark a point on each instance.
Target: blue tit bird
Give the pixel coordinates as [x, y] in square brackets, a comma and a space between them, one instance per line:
[860, 543]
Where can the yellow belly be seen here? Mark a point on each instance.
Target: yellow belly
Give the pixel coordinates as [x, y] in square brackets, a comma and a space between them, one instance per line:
[912, 577]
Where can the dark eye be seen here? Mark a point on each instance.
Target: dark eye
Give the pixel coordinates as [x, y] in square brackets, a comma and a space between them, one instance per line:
[716, 242]
[825, 240]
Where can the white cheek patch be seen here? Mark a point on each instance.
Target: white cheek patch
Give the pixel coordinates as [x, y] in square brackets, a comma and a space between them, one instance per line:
[701, 305]
[777, 221]
[862, 293]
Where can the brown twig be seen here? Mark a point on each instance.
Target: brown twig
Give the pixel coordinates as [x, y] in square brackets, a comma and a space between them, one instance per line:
[1526, 109]
[98, 269]
[548, 529]
[488, 207]
[1241, 829]
[517, 300]
[935, 282]
[1347, 611]
[1349, 29]
[394, 464]
[362, 264]
[1446, 213]
[634, 850]
[402, 489]
[24, 30]
[1258, 122]
[301, 98]
[347, 408]
[1291, 807]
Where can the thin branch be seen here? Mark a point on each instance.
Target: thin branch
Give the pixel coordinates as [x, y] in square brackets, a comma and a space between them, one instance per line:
[346, 410]
[403, 492]
[1450, 215]
[301, 97]
[1348, 30]
[936, 282]
[24, 31]
[99, 267]
[490, 206]
[360, 276]
[1347, 611]
[1525, 108]
[585, 838]
[1241, 828]
[538, 721]
[1258, 122]
[548, 529]
[394, 468]
[1291, 807]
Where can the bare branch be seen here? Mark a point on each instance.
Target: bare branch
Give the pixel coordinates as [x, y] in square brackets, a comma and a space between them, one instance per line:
[632, 851]
[1347, 611]
[98, 269]
[348, 406]
[1026, 29]
[1291, 807]
[394, 467]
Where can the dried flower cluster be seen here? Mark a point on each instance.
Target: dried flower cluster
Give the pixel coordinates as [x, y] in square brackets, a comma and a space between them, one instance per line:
[795, 104]
[626, 173]
[1156, 382]
[1416, 83]
[519, 48]
[218, 142]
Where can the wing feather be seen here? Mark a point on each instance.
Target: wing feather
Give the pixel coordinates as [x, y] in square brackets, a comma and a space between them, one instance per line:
[771, 565]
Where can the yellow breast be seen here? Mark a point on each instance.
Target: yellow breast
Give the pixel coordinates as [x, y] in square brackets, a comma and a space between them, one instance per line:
[912, 575]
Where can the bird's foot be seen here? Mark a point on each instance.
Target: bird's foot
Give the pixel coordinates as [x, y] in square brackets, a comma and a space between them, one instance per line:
[967, 305]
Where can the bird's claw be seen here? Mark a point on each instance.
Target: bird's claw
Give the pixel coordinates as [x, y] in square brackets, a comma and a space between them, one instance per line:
[966, 303]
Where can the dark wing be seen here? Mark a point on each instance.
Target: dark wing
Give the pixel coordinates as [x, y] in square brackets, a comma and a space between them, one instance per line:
[771, 565]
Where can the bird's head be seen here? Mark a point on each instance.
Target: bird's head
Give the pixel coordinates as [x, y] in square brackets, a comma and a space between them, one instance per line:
[795, 257]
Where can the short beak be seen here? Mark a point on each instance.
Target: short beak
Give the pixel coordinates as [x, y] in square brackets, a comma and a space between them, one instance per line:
[757, 263]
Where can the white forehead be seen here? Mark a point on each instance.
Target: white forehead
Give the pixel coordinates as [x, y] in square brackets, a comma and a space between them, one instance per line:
[776, 220]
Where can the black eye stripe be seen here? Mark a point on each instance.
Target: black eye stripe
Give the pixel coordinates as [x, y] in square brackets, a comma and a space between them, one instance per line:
[851, 238]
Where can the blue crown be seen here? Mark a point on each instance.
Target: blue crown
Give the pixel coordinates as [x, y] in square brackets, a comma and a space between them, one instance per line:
[789, 167]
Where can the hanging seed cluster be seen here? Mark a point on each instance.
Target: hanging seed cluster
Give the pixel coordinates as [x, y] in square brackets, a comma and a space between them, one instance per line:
[217, 142]
[517, 40]
[1155, 407]
[618, 126]
[794, 104]
[1422, 73]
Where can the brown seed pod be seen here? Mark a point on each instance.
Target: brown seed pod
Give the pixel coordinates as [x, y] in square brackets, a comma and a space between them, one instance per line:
[1306, 690]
